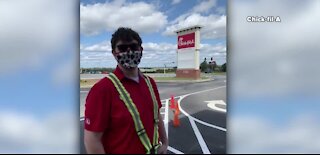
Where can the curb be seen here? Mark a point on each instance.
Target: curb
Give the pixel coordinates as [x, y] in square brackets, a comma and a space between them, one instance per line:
[167, 81]
[183, 81]
[86, 87]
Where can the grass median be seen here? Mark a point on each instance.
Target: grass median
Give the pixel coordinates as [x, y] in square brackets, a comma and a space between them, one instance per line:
[87, 83]
[175, 79]
[219, 73]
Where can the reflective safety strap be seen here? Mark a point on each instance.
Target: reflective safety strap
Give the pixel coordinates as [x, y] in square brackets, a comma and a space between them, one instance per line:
[156, 116]
[125, 97]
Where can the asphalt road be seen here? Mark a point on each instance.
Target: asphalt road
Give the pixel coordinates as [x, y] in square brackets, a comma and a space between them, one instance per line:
[202, 128]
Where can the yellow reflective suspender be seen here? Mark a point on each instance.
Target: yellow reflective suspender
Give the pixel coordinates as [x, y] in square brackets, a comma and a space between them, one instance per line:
[125, 97]
[155, 113]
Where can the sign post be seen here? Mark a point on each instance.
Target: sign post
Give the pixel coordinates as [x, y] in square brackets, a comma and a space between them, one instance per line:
[188, 52]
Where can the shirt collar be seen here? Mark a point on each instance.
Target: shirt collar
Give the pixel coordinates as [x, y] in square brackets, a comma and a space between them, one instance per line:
[118, 72]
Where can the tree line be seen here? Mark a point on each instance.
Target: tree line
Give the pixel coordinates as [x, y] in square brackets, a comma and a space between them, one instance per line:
[211, 66]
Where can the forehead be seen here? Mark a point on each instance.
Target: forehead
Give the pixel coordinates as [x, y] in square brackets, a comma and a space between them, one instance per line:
[126, 42]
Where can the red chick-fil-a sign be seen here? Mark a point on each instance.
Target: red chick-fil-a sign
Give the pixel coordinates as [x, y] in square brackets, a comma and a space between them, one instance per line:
[186, 41]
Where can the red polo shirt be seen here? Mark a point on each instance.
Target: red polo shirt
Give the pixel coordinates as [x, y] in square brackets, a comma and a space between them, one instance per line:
[105, 112]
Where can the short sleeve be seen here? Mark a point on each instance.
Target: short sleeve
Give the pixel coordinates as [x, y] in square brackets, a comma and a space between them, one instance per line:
[155, 89]
[97, 107]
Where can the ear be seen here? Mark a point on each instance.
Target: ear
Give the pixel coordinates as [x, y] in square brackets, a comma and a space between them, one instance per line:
[141, 50]
[113, 53]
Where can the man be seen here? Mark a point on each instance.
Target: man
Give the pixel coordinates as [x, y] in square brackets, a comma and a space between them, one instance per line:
[122, 110]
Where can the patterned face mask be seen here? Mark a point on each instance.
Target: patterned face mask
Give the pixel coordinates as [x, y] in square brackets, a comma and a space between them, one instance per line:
[129, 59]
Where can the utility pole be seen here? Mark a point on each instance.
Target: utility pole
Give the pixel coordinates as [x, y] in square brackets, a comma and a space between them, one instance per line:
[164, 69]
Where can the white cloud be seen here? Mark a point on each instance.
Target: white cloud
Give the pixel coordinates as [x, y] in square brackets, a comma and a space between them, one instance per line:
[204, 6]
[140, 16]
[23, 133]
[272, 59]
[256, 135]
[34, 30]
[65, 73]
[97, 55]
[217, 52]
[175, 2]
[101, 47]
[154, 54]
[214, 26]
[159, 47]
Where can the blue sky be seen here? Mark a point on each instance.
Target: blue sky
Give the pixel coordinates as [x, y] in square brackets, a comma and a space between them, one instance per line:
[38, 58]
[39, 75]
[42, 90]
[155, 21]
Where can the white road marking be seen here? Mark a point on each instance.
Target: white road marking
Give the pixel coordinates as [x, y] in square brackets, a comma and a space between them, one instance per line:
[82, 119]
[201, 141]
[208, 124]
[84, 91]
[199, 137]
[174, 150]
[166, 118]
[212, 104]
[195, 119]
[194, 126]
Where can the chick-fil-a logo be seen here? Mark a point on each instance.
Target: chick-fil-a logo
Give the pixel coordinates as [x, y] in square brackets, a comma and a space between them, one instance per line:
[186, 41]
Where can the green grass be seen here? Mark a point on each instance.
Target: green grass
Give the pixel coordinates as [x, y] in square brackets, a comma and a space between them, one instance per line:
[219, 73]
[88, 82]
[91, 82]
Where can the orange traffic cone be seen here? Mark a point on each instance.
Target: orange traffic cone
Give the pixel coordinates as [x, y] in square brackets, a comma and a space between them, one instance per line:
[176, 120]
[177, 108]
[172, 106]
